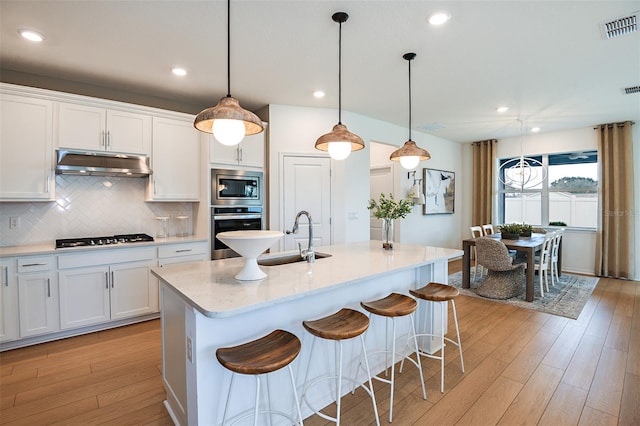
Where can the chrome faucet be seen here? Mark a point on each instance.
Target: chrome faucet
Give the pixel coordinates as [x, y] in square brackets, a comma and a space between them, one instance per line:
[309, 254]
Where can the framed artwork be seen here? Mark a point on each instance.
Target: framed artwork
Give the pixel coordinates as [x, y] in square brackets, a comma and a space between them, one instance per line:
[439, 191]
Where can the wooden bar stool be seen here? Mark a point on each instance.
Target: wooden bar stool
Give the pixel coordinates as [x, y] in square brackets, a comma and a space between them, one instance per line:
[344, 324]
[441, 293]
[391, 307]
[261, 356]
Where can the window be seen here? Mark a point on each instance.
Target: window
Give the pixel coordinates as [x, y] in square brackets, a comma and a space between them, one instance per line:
[567, 193]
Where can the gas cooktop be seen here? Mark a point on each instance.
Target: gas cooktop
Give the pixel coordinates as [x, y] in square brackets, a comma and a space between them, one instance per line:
[102, 241]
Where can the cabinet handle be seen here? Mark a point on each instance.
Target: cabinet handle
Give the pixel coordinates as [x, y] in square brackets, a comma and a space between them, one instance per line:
[108, 139]
[48, 287]
[46, 189]
[27, 265]
[155, 189]
[6, 276]
[111, 279]
[102, 139]
[240, 152]
[183, 250]
[106, 280]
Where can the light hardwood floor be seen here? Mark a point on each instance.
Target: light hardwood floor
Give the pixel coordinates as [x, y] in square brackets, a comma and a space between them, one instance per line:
[522, 367]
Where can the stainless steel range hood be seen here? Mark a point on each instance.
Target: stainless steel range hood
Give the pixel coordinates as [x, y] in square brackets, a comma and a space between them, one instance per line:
[90, 163]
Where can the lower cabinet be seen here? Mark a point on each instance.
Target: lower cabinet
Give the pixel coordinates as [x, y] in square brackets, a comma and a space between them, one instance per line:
[103, 287]
[8, 300]
[37, 296]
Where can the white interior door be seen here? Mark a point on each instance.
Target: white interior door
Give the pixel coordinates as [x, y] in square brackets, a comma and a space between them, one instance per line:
[307, 186]
[380, 182]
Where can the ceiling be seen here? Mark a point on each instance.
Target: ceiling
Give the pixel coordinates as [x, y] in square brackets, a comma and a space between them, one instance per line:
[546, 60]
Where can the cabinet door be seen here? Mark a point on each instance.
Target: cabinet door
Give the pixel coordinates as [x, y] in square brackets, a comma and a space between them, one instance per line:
[26, 150]
[128, 132]
[8, 300]
[80, 126]
[175, 161]
[84, 296]
[38, 303]
[251, 151]
[133, 290]
[223, 154]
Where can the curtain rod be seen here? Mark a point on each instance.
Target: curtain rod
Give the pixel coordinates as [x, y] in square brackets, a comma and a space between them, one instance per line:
[615, 124]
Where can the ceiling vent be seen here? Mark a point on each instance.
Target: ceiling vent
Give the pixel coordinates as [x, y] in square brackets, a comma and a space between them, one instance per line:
[632, 89]
[431, 127]
[620, 26]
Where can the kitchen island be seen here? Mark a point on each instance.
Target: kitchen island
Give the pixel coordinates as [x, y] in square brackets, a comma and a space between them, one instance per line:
[204, 307]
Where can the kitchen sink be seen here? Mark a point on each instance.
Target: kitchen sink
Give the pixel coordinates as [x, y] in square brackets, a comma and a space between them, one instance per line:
[276, 260]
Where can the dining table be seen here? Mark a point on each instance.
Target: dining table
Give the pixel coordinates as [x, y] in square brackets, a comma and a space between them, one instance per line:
[527, 245]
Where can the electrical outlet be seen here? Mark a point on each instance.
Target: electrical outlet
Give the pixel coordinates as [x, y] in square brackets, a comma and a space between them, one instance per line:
[14, 222]
[189, 349]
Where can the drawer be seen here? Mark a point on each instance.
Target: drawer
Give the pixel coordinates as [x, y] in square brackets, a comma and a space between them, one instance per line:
[186, 249]
[35, 264]
[106, 257]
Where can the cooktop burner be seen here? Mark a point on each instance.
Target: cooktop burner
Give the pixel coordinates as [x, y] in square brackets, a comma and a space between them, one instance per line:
[101, 241]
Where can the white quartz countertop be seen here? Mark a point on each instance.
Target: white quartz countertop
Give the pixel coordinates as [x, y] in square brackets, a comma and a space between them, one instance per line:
[211, 288]
[50, 248]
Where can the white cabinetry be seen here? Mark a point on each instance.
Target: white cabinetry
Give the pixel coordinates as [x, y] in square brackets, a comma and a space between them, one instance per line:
[8, 300]
[26, 148]
[249, 153]
[37, 296]
[182, 253]
[106, 285]
[175, 161]
[97, 128]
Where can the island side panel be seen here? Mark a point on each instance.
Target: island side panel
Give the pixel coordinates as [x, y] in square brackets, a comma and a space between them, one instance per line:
[212, 380]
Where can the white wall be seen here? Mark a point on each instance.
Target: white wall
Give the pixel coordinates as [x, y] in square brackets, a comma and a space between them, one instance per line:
[295, 130]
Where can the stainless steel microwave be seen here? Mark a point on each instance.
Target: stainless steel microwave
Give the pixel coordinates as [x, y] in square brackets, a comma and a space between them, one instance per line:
[236, 188]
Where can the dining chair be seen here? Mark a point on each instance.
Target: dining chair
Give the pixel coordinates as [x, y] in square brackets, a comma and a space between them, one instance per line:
[476, 231]
[488, 229]
[505, 279]
[543, 261]
[554, 256]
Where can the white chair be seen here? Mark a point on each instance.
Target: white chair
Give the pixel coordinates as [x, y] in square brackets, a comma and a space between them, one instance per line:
[488, 229]
[554, 257]
[543, 261]
[476, 232]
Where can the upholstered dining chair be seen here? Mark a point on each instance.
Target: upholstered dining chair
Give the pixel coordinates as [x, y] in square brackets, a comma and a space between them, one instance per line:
[476, 231]
[504, 278]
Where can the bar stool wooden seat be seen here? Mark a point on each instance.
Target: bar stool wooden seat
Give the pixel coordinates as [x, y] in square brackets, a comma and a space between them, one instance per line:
[258, 357]
[393, 306]
[343, 325]
[441, 293]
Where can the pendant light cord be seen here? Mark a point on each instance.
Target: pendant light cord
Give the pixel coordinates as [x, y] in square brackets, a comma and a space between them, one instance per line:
[409, 99]
[340, 74]
[228, 48]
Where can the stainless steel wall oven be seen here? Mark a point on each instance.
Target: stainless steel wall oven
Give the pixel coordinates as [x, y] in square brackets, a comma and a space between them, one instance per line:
[227, 218]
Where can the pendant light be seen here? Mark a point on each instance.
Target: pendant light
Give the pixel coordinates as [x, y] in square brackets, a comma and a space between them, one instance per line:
[228, 121]
[340, 141]
[524, 172]
[410, 154]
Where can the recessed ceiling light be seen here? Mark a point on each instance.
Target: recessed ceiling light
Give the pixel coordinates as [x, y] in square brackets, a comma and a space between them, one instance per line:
[535, 129]
[502, 109]
[318, 94]
[31, 35]
[439, 18]
[179, 71]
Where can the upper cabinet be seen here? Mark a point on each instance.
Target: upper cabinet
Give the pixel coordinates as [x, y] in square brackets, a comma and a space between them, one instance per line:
[249, 153]
[175, 161]
[26, 148]
[100, 129]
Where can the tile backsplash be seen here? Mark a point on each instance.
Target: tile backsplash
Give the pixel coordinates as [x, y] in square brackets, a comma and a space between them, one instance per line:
[87, 206]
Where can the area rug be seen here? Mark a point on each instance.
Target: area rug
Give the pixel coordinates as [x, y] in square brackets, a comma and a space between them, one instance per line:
[566, 298]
